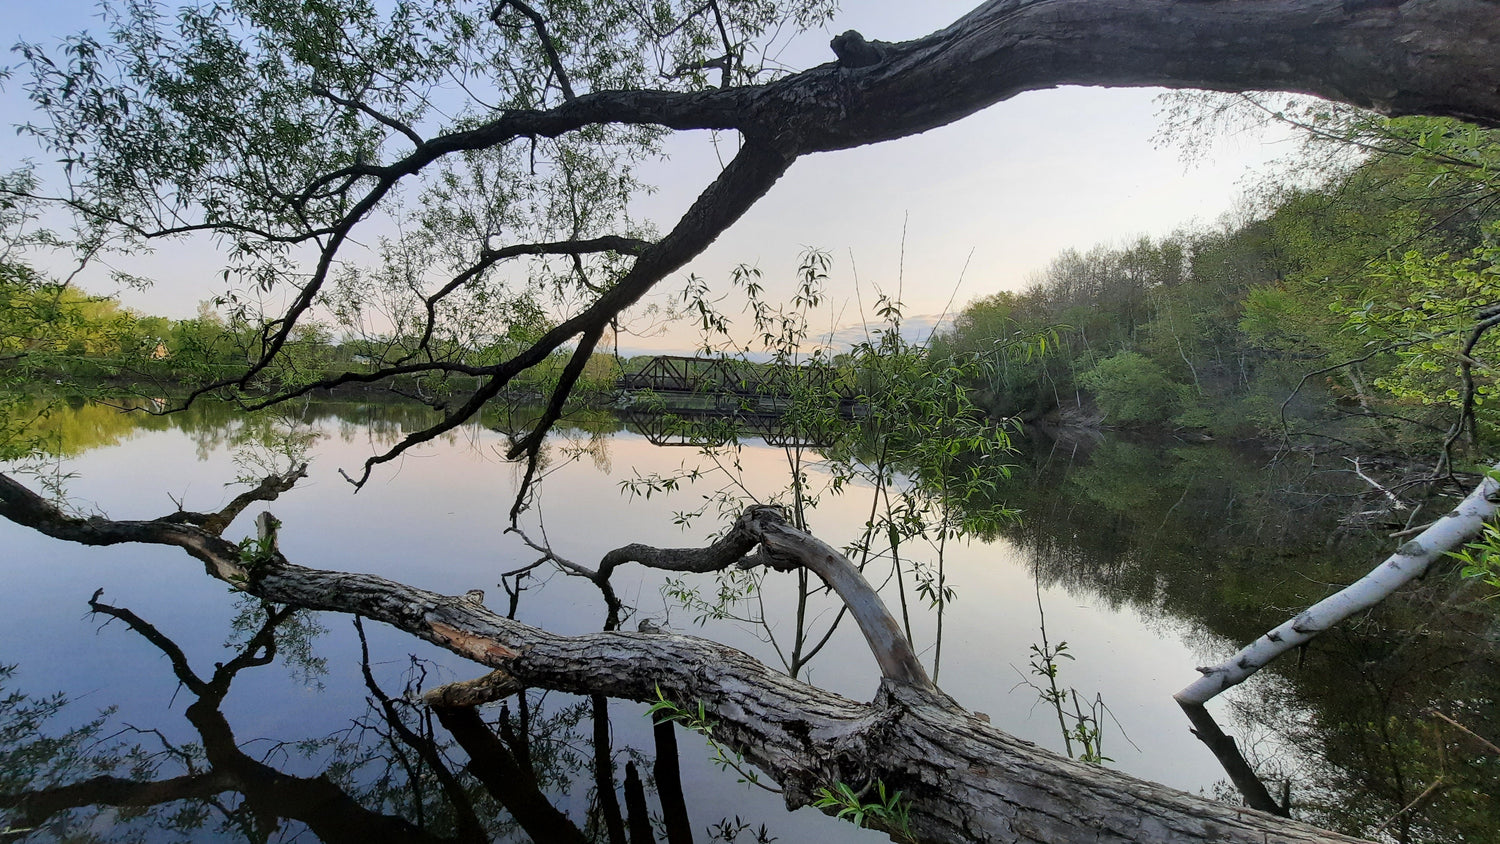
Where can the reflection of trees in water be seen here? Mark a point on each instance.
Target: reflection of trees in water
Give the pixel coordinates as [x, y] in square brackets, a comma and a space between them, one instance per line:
[189, 787]
[1372, 691]
[1202, 533]
[1211, 541]
[1360, 712]
[392, 777]
[72, 427]
[1222, 547]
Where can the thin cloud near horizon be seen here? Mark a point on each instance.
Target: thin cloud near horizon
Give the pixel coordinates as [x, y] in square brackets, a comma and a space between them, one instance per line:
[915, 328]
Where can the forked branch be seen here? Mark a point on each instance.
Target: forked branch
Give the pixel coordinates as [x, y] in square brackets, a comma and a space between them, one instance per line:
[965, 780]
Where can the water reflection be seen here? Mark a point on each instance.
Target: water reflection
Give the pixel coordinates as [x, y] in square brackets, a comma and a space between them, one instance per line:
[497, 775]
[1360, 730]
[1137, 549]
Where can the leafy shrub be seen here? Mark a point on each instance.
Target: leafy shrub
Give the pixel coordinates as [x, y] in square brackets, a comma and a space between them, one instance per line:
[1132, 389]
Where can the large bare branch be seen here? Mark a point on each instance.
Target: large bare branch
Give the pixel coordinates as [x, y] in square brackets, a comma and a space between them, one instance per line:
[965, 780]
[548, 45]
[785, 547]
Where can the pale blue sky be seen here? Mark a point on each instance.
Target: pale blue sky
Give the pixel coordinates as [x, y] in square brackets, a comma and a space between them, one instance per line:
[1004, 190]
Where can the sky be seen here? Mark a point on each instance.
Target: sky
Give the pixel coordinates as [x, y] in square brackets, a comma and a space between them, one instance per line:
[956, 213]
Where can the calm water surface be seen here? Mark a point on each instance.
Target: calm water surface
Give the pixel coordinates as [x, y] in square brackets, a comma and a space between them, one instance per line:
[1147, 562]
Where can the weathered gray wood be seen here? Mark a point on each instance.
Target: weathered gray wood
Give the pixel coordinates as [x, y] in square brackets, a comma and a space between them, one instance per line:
[965, 780]
[785, 548]
[892, 650]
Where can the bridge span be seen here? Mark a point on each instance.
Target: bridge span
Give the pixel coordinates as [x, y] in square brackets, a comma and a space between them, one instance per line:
[683, 375]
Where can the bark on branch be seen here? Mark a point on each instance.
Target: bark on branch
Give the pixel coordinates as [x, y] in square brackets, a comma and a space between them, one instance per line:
[966, 781]
[1410, 561]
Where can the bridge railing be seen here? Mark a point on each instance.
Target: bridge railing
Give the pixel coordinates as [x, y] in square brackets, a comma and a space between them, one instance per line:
[681, 374]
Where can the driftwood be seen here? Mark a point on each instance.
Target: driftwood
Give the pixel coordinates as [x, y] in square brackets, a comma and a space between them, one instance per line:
[964, 780]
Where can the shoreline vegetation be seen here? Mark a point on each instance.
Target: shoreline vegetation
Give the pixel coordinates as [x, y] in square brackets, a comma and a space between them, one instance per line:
[442, 201]
[1346, 309]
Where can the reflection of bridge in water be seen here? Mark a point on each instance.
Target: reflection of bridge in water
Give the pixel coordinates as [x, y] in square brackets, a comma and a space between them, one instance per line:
[710, 401]
[716, 426]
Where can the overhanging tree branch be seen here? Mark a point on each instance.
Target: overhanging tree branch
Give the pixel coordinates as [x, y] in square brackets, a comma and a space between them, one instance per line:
[1427, 56]
[747, 178]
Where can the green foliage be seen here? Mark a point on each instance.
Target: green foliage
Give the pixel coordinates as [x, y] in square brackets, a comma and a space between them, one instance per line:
[1367, 263]
[1132, 389]
[257, 551]
[1086, 730]
[1481, 558]
[267, 123]
[885, 811]
[1435, 313]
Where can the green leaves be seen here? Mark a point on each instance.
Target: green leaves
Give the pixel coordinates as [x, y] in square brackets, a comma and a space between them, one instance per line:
[1132, 389]
[698, 720]
[886, 810]
[1481, 558]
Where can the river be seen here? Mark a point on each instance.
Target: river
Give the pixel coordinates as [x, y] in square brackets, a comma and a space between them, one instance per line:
[1145, 560]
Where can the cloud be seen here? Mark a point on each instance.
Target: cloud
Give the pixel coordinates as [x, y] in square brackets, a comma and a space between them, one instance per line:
[915, 328]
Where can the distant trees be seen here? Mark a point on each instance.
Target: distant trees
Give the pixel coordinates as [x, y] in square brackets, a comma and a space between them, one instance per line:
[1356, 301]
[290, 133]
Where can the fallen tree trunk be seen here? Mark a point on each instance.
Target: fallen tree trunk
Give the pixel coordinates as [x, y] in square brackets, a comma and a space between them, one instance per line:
[1409, 562]
[962, 779]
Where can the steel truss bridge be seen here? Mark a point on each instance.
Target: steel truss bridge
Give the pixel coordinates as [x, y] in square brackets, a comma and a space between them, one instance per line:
[679, 375]
[711, 401]
[715, 426]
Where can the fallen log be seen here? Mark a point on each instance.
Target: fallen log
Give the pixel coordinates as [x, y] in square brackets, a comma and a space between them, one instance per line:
[962, 780]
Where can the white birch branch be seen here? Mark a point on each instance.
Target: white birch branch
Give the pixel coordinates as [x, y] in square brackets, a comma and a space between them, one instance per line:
[1396, 503]
[1410, 561]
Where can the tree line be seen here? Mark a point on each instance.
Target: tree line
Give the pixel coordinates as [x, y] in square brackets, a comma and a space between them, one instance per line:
[1349, 303]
